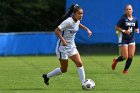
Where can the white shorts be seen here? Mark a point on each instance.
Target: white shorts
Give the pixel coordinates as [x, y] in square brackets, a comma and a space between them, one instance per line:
[64, 52]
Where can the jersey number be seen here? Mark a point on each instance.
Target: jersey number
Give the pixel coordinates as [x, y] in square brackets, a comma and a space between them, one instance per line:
[130, 29]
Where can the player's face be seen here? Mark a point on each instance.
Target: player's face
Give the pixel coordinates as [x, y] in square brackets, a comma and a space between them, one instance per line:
[79, 14]
[129, 10]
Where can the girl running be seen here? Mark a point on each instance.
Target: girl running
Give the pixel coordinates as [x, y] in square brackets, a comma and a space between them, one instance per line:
[127, 25]
[66, 47]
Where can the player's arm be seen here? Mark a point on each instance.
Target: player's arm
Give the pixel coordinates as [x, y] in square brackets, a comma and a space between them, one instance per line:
[136, 27]
[85, 28]
[60, 28]
[122, 30]
[121, 23]
[58, 33]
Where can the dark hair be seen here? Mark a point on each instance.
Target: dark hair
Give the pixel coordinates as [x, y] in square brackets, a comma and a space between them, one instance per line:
[72, 9]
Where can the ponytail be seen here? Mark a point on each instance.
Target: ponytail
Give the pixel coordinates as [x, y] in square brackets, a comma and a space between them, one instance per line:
[72, 9]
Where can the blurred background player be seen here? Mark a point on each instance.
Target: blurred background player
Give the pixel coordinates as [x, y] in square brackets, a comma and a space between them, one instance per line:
[127, 25]
[66, 47]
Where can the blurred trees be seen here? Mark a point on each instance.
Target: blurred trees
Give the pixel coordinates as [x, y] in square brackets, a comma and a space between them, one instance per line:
[30, 15]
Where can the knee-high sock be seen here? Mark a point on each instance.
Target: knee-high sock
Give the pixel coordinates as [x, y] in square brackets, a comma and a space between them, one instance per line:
[81, 73]
[53, 73]
[119, 59]
[128, 63]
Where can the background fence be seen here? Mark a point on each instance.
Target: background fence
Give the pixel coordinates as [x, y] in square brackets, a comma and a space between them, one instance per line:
[33, 43]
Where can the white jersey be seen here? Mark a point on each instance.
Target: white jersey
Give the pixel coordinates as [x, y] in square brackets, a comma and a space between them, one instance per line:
[69, 28]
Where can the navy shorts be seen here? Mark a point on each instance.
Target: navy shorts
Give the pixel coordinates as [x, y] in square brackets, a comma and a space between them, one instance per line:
[127, 42]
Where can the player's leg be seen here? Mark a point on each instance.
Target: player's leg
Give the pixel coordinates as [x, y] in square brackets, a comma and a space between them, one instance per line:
[57, 71]
[63, 58]
[64, 65]
[123, 47]
[77, 60]
[124, 55]
[131, 52]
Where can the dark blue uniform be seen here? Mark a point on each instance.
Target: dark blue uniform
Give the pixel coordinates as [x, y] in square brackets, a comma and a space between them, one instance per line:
[125, 23]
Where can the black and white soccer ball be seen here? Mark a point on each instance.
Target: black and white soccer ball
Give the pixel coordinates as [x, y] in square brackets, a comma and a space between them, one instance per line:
[89, 84]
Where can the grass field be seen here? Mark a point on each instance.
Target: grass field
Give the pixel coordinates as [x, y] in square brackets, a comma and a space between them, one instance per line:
[22, 74]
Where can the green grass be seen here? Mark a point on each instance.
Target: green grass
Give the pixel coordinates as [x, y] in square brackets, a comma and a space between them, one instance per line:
[22, 74]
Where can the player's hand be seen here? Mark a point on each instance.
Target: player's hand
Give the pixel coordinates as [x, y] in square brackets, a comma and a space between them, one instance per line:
[64, 43]
[89, 33]
[127, 32]
[137, 31]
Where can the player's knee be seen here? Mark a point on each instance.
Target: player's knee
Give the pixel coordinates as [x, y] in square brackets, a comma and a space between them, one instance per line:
[79, 64]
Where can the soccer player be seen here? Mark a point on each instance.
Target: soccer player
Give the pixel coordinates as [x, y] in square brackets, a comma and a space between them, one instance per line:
[127, 25]
[66, 47]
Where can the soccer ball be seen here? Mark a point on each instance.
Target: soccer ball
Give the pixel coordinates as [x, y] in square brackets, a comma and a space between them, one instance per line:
[89, 84]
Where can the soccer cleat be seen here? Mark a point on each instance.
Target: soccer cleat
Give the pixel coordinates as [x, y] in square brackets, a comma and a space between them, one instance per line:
[114, 64]
[46, 80]
[125, 72]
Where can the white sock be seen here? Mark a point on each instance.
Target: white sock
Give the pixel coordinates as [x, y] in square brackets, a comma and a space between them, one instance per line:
[53, 73]
[81, 73]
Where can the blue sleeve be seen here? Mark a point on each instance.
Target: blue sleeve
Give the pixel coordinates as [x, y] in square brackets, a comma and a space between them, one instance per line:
[120, 22]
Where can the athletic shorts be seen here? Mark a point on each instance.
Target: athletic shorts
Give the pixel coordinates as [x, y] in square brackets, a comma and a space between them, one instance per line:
[127, 42]
[64, 52]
